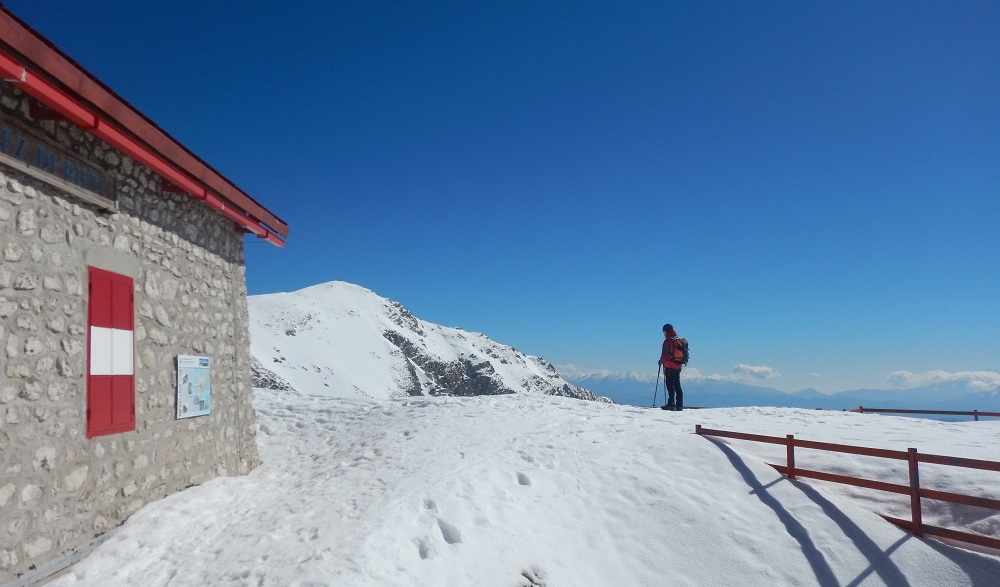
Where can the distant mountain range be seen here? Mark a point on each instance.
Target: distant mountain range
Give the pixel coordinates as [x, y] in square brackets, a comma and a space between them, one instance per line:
[638, 390]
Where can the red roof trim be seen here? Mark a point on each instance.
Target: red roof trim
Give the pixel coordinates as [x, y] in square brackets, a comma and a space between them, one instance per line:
[92, 95]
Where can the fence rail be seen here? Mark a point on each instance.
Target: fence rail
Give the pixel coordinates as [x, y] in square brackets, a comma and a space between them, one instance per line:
[974, 413]
[913, 489]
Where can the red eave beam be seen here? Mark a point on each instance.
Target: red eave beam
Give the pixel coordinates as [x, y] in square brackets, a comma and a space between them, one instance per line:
[46, 59]
[63, 103]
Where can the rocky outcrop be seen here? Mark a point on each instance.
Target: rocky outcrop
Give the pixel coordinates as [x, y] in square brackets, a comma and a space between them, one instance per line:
[261, 377]
[467, 376]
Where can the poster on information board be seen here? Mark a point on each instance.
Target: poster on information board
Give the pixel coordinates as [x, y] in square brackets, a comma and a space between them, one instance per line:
[194, 386]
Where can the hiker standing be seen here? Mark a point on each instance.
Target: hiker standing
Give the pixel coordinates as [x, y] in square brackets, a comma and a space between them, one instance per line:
[671, 369]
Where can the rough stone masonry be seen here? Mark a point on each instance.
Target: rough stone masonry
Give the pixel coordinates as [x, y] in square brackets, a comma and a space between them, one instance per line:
[58, 489]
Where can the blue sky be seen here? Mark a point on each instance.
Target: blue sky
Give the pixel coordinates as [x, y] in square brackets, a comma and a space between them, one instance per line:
[807, 190]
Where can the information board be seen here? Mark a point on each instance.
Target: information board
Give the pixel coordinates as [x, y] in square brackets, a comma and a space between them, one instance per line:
[194, 386]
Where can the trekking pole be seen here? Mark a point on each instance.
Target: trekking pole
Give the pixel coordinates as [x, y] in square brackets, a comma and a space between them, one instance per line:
[657, 388]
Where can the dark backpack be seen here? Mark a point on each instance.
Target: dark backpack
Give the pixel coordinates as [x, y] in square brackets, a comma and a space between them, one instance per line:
[679, 351]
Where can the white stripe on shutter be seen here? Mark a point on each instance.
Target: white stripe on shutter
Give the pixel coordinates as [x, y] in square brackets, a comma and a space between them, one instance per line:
[111, 351]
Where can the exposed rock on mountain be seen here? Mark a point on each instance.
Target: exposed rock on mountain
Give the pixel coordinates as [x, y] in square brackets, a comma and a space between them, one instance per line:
[260, 376]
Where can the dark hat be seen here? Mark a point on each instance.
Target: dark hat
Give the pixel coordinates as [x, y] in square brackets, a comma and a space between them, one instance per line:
[668, 327]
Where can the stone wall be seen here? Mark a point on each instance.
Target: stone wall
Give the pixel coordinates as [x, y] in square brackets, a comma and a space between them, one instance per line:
[58, 489]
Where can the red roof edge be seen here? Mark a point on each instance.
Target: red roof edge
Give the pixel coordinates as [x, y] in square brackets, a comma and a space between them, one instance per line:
[50, 63]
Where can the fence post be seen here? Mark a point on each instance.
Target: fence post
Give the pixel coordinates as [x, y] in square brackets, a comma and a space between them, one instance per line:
[918, 524]
[697, 428]
[975, 415]
[790, 455]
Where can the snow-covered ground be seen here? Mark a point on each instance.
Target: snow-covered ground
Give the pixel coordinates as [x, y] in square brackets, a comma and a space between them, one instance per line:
[529, 489]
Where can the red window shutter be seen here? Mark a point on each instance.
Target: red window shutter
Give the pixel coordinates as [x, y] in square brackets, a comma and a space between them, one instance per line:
[122, 314]
[98, 405]
[100, 298]
[110, 354]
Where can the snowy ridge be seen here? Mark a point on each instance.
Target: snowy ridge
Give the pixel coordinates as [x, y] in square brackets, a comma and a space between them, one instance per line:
[343, 340]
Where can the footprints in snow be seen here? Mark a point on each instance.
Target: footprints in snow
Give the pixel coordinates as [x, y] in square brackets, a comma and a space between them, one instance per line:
[532, 578]
[450, 533]
[428, 546]
[522, 478]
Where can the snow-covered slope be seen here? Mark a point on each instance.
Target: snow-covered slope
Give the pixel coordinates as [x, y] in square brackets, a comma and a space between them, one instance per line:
[343, 340]
[533, 490]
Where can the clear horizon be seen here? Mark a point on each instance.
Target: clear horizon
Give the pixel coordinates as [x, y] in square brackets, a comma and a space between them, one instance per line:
[985, 381]
[808, 192]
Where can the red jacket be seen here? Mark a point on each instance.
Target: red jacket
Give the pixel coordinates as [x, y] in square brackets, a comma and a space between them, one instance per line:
[668, 351]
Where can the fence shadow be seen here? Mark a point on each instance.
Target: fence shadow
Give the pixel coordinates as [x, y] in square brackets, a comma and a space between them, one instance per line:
[983, 570]
[881, 563]
[879, 560]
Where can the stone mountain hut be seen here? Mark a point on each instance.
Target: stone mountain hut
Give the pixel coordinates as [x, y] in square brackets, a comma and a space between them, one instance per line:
[124, 343]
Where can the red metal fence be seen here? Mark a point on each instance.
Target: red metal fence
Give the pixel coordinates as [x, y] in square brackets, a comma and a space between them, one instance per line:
[914, 490]
[974, 413]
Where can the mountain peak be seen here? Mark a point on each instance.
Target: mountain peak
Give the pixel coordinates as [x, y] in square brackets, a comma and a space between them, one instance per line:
[345, 340]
